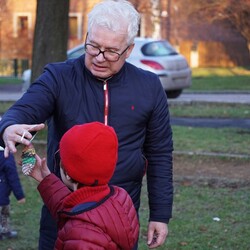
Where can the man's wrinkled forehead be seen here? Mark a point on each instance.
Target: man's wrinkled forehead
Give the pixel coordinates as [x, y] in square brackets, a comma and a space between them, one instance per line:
[104, 35]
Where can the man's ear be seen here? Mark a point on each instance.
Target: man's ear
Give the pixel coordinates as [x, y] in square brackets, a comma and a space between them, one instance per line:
[128, 52]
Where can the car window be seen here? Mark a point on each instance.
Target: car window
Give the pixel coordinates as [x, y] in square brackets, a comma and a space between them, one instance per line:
[158, 48]
[76, 53]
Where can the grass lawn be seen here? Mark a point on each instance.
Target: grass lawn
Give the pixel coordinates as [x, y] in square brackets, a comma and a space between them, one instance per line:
[5, 105]
[197, 109]
[209, 110]
[195, 206]
[220, 79]
[10, 80]
[204, 217]
[193, 226]
[213, 140]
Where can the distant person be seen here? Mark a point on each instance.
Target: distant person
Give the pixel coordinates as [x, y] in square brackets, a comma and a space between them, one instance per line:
[9, 182]
[101, 86]
[90, 213]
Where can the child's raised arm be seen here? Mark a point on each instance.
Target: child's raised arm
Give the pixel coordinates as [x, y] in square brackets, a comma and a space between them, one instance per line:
[33, 165]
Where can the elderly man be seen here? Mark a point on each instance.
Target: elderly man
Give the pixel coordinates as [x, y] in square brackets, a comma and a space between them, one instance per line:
[102, 86]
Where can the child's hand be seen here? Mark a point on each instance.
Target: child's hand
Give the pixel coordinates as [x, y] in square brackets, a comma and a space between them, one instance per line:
[40, 170]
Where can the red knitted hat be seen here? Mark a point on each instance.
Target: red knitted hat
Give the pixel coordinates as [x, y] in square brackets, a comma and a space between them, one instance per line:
[89, 153]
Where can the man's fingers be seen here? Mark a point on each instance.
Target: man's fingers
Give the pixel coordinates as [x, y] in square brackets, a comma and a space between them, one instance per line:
[18, 133]
[6, 152]
[9, 148]
[157, 233]
[28, 132]
[150, 236]
[24, 138]
[154, 242]
[160, 239]
[25, 132]
[36, 127]
[28, 129]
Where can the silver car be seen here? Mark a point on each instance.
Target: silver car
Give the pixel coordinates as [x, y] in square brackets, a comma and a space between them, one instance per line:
[157, 56]
[161, 58]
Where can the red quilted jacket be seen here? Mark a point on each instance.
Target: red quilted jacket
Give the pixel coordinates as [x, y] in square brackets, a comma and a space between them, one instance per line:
[111, 223]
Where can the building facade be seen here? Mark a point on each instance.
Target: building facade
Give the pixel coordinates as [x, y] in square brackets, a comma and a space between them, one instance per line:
[203, 45]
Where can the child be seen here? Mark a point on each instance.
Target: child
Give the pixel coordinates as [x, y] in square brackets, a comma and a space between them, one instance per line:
[9, 182]
[93, 215]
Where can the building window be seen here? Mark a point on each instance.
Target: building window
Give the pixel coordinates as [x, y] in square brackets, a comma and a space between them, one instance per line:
[75, 26]
[22, 25]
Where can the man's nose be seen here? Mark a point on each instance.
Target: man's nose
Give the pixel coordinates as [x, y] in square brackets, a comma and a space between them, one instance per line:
[100, 56]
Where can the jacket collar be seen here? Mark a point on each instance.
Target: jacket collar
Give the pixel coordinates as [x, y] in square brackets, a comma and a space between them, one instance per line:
[86, 194]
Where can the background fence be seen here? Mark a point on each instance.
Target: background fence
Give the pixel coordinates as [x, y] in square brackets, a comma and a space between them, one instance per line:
[13, 67]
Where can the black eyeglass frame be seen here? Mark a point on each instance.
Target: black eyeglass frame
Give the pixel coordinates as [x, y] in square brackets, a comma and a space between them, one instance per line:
[103, 51]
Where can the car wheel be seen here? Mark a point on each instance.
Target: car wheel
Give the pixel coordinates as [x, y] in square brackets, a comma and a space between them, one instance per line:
[173, 93]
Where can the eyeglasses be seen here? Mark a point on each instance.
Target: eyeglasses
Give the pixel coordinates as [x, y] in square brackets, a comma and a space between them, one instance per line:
[109, 55]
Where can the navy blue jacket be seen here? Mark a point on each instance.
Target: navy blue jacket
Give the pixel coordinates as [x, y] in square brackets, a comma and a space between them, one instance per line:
[9, 180]
[67, 94]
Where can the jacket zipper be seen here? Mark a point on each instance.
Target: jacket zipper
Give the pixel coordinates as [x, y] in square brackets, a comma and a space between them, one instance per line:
[106, 102]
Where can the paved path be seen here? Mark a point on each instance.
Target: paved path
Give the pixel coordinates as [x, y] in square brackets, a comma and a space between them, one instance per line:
[211, 122]
[10, 92]
[241, 97]
[13, 93]
[233, 98]
[10, 96]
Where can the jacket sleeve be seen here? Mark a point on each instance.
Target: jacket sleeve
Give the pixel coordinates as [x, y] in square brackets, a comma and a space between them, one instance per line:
[36, 105]
[13, 178]
[158, 150]
[53, 192]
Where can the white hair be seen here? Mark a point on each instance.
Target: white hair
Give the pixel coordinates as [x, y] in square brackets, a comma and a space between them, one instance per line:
[114, 15]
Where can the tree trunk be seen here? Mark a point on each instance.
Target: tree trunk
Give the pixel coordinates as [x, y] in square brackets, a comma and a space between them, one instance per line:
[51, 34]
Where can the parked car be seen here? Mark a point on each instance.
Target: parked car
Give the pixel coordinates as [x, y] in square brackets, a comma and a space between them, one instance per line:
[161, 58]
[155, 55]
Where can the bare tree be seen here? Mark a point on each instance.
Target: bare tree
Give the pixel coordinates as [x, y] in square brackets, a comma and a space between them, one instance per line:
[51, 34]
[237, 12]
